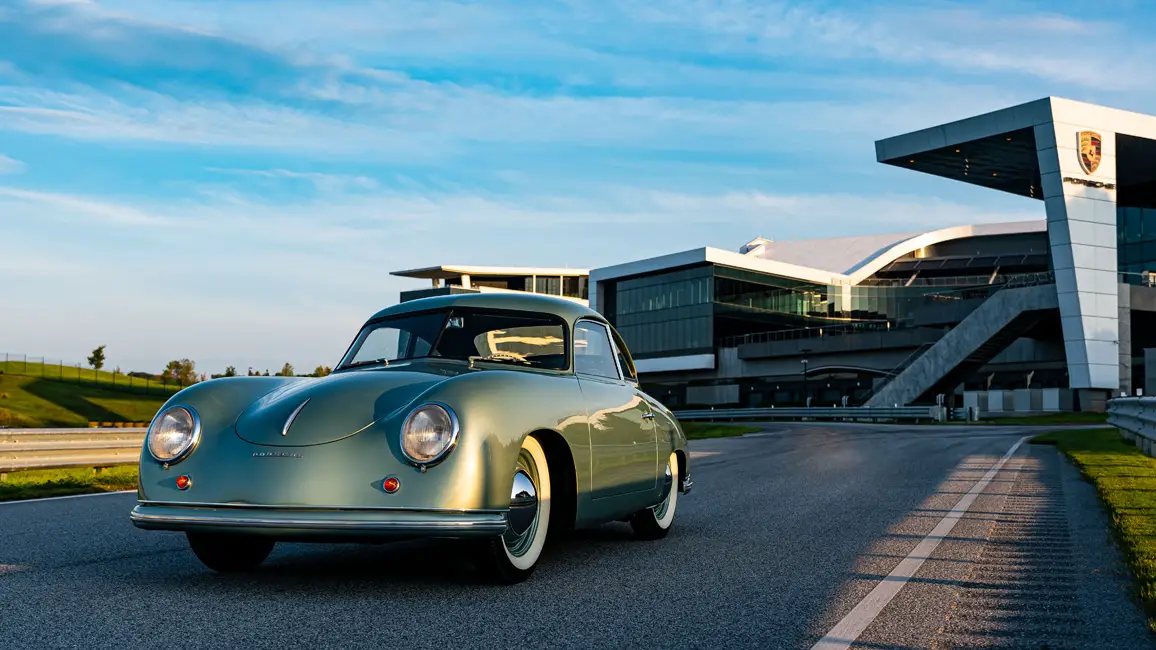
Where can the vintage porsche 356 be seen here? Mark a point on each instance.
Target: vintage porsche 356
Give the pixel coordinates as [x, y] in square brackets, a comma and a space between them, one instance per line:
[495, 418]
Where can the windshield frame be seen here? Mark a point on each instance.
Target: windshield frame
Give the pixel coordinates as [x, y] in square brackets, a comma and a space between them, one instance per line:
[448, 312]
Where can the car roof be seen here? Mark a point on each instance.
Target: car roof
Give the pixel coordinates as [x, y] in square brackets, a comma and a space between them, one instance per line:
[568, 310]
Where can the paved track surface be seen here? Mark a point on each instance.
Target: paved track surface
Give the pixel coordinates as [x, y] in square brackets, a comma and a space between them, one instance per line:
[784, 534]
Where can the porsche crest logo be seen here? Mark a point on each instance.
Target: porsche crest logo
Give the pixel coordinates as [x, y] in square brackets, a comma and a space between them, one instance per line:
[1090, 151]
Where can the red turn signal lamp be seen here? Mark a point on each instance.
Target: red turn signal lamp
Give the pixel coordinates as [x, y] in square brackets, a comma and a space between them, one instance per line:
[183, 482]
[391, 484]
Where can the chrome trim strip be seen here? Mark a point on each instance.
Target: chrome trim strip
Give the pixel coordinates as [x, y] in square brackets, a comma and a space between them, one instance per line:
[482, 524]
[298, 508]
[293, 416]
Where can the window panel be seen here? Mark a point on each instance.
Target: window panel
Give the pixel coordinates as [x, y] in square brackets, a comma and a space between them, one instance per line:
[593, 354]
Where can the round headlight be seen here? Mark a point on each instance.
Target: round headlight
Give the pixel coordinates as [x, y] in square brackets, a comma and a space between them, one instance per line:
[429, 433]
[173, 434]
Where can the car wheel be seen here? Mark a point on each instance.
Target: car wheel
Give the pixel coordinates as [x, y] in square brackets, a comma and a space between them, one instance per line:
[655, 522]
[230, 553]
[511, 558]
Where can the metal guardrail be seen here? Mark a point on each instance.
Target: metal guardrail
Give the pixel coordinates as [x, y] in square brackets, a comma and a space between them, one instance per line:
[22, 449]
[1135, 417]
[817, 413]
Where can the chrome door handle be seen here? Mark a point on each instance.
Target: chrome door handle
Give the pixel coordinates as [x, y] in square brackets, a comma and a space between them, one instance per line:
[647, 416]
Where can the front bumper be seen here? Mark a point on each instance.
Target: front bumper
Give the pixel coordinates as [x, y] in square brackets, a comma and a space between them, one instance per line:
[309, 523]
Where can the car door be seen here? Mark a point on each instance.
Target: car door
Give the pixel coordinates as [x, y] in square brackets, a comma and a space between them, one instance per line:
[623, 444]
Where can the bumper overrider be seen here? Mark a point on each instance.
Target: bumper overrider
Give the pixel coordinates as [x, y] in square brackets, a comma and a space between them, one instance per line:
[316, 522]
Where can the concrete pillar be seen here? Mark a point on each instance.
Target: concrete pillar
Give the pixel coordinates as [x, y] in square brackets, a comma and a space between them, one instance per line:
[1082, 237]
[1124, 310]
[1093, 400]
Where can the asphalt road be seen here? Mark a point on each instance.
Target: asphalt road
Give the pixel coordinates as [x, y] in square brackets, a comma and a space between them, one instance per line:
[784, 535]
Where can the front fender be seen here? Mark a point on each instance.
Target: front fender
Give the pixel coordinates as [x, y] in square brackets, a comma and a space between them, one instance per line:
[497, 409]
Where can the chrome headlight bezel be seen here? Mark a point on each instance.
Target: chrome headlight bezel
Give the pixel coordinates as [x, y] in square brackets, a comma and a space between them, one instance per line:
[190, 445]
[455, 429]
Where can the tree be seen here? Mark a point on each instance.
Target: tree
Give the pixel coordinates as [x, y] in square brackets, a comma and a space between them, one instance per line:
[97, 358]
[286, 370]
[183, 372]
[322, 371]
[266, 372]
[230, 371]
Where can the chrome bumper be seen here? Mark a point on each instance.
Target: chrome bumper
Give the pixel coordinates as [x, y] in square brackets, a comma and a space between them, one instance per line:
[301, 522]
[687, 484]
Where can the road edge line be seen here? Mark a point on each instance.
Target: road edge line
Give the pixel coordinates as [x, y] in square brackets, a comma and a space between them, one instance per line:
[847, 630]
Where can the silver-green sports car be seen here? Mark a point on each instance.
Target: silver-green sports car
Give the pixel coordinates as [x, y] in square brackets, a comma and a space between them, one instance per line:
[495, 418]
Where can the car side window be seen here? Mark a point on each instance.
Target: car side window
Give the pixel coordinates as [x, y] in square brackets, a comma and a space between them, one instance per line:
[593, 354]
[625, 364]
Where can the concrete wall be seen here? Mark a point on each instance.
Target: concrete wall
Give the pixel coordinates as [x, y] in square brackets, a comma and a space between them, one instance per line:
[712, 394]
[1035, 400]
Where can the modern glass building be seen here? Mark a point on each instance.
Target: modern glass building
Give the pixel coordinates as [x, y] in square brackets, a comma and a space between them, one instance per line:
[1063, 303]
[450, 279]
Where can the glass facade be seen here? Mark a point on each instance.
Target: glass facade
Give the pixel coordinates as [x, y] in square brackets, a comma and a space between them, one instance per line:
[665, 314]
[691, 310]
[1136, 239]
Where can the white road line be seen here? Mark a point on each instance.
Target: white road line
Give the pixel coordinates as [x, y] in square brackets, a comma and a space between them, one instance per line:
[848, 630]
[70, 496]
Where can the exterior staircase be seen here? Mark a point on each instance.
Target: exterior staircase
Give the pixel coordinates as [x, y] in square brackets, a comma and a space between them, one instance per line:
[1000, 320]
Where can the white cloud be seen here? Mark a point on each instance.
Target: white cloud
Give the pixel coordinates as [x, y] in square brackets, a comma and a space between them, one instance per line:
[10, 165]
[323, 182]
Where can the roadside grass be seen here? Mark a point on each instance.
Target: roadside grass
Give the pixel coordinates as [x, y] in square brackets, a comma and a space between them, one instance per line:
[1083, 417]
[1125, 479]
[41, 483]
[82, 376]
[703, 430]
[36, 402]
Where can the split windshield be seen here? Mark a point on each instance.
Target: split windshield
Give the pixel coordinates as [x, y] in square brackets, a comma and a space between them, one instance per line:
[516, 338]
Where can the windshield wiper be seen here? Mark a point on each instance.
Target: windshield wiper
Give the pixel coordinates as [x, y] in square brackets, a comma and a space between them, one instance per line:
[367, 362]
[500, 358]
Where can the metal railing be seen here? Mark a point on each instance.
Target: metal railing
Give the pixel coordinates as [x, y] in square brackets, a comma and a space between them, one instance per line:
[850, 413]
[22, 449]
[806, 333]
[1135, 417]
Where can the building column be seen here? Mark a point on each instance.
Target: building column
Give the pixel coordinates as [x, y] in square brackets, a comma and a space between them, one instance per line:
[1125, 316]
[1082, 238]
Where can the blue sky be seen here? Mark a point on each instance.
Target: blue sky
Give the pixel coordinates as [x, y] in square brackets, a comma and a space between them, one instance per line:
[233, 180]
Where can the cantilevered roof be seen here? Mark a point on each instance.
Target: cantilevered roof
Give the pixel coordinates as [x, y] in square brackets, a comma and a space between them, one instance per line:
[1000, 149]
[447, 271]
[835, 261]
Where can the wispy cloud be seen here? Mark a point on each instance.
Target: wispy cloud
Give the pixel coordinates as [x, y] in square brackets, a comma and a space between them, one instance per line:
[66, 207]
[10, 165]
[323, 182]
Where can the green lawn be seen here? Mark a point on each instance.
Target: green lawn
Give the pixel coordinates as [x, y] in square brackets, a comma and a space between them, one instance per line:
[701, 430]
[1054, 418]
[35, 402]
[117, 381]
[40, 483]
[1125, 479]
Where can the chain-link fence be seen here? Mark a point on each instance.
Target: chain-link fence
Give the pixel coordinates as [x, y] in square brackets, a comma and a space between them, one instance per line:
[76, 373]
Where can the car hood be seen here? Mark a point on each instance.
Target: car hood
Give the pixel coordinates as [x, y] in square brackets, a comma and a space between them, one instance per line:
[317, 411]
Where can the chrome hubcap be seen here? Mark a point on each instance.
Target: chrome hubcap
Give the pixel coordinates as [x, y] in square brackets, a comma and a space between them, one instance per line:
[524, 511]
[523, 503]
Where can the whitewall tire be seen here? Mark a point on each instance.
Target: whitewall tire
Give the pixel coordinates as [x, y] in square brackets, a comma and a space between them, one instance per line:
[654, 522]
[511, 558]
